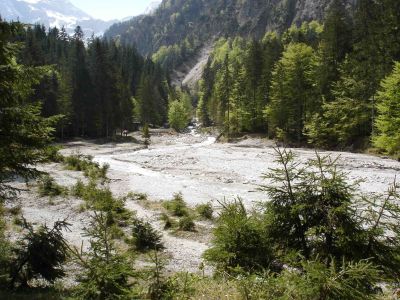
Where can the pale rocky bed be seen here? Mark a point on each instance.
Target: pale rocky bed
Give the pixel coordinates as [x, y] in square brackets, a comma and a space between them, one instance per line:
[204, 171]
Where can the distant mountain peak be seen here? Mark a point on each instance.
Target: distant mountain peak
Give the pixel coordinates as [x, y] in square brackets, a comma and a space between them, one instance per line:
[52, 13]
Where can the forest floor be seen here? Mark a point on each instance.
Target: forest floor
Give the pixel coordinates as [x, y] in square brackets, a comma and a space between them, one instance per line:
[193, 164]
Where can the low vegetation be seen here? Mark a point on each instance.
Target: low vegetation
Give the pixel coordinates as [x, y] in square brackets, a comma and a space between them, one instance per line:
[48, 187]
[86, 164]
[205, 211]
[177, 206]
[100, 198]
[145, 237]
[314, 239]
[186, 223]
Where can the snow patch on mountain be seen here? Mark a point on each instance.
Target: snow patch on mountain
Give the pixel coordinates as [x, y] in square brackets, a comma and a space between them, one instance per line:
[52, 13]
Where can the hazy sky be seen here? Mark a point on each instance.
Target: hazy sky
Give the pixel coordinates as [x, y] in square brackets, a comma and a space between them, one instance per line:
[112, 9]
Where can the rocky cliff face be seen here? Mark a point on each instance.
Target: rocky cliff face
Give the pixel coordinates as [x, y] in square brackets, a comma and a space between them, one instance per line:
[202, 20]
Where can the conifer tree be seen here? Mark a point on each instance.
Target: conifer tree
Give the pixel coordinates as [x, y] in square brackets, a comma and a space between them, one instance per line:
[387, 136]
[292, 94]
[25, 134]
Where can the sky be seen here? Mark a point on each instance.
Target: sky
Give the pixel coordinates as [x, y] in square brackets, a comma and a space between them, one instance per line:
[112, 9]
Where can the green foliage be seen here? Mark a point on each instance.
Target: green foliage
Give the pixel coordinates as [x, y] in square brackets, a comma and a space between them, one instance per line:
[145, 131]
[152, 95]
[168, 221]
[292, 94]
[387, 123]
[177, 206]
[106, 273]
[5, 251]
[205, 211]
[344, 120]
[186, 223]
[101, 199]
[39, 255]
[314, 281]
[159, 286]
[180, 110]
[177, 116]
[53, 154]
[25, 134]
[49, 187]
[85, 164]
[313, 214]
[145, 237]
[239, 240]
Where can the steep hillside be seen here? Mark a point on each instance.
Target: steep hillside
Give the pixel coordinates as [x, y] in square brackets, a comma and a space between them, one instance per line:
[200, 20]
[52, 13]
[177, 33]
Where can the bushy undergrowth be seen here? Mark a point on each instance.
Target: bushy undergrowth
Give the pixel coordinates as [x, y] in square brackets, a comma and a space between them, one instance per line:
[177, 206]
[49, 187]
[40, 254]
[53, 154]
[186, 223]
[316, 237]
[145, 237]
[86, 164]
[205, 211]
[239, 240]
[168, 221]
[100, 198]
[106, 272]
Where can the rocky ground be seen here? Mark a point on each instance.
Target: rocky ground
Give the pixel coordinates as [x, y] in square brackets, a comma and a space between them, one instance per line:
[196, 165]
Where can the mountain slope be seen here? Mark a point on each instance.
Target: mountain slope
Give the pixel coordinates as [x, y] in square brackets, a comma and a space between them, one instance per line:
[202, 20]
[178, 33]
[52, 13]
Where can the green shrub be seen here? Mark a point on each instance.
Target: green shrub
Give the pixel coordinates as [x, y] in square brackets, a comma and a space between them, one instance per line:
[316, 211]
[106, 273]
[48, 187]
[102, 199]
[239, 240]
[350, 281]
[205, 211]
[168, 222]
[177, 206]
[39, 255]
[53, 155]
[5, 251]
[137, 196]
[146, 131]
[145, 237]
[160, 287]
[186, 223]
[86, 164]
[78, 189]
[313, 214]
